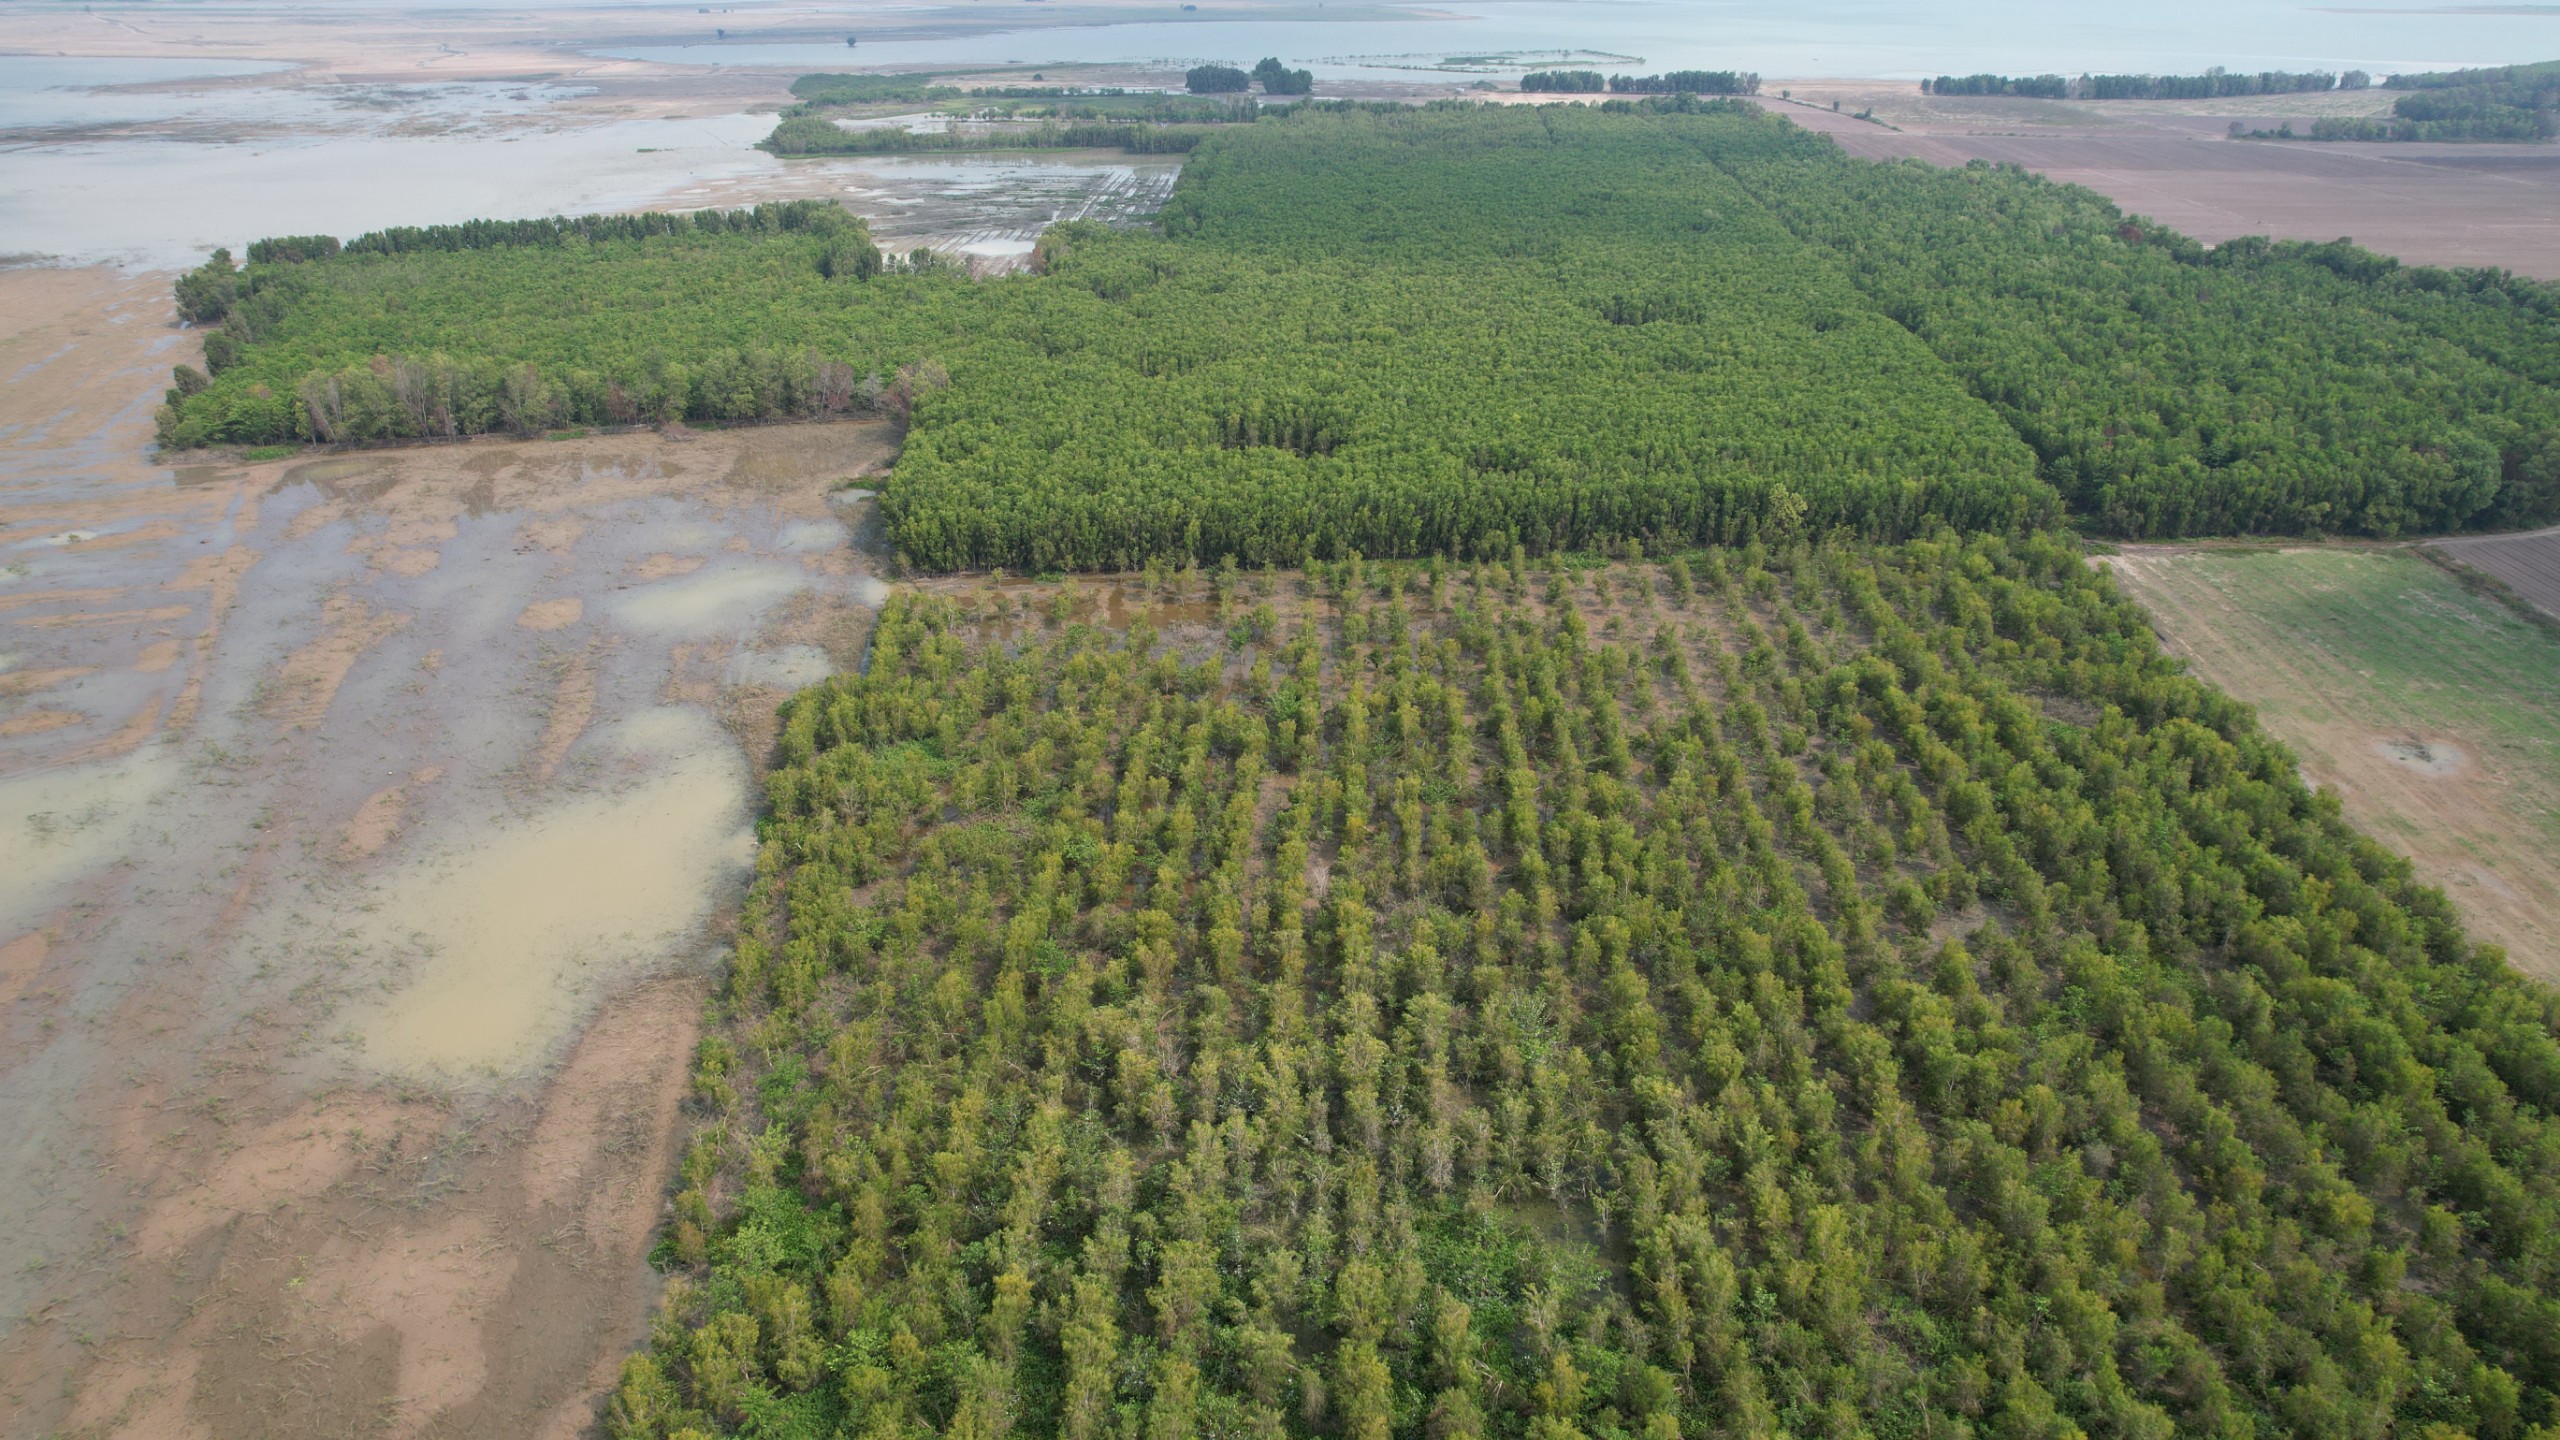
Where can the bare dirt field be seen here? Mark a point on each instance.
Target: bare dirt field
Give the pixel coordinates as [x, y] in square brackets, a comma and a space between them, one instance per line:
[2426, 204]
[2528, 565]
[2432, 712]
[371, 821]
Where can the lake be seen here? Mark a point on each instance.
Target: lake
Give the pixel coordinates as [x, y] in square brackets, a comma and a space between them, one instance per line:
[1884, 39]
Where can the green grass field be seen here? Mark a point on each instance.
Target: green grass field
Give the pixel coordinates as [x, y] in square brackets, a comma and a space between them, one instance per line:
[2352, 654]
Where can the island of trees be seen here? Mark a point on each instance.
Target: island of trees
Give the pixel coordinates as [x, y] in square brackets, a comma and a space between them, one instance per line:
[1275, 78]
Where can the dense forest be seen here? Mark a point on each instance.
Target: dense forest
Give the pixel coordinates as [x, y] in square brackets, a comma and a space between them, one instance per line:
[1451, 331]
[1805, 990]
[1380, 970]
[1459, 329]
[2169, 389]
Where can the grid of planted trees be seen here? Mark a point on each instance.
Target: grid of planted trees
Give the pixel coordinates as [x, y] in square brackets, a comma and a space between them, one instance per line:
[1824, 990]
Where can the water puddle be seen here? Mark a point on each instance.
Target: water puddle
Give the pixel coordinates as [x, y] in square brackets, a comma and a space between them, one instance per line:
[811, 535]
[62, 825]
[512, 931]
[791, 667]
[726, 600]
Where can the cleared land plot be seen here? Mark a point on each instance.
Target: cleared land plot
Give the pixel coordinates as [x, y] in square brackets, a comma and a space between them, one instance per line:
[2434, 713]
[2527, 564]
[2426, 204]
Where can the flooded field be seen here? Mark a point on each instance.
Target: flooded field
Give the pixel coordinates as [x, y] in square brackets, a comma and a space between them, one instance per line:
[986, 210]
[370, 822]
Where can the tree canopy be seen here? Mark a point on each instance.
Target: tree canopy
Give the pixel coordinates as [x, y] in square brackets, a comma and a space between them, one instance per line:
[1459, 329]
[1793, 991]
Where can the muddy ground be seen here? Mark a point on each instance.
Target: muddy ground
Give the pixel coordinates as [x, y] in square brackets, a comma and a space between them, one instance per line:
[370, 822]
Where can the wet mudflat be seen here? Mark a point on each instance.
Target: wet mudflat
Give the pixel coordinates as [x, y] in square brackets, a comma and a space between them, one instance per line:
[368, 823]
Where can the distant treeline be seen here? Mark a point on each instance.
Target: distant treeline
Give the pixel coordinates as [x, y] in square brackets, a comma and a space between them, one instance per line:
[773, 217]
[1676, 82]
[2507, 102]
[1688, 82]
[1275, 78]
[2541, 75]
[1055, 92]
[2457, 123]
[817, 135]
[2214, 84]
[818, 91]
[1161, 109]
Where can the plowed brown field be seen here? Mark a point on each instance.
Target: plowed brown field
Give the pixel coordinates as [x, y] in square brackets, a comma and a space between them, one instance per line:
[2528, 564]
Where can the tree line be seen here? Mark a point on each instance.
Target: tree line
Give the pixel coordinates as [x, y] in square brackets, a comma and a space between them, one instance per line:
[1456, 329]
[1564, 82]
[2168, 388]
[1687, 82]
[1800, 990]
[2213, 84]
[817, 92]
[2508, 102]
[818, 135]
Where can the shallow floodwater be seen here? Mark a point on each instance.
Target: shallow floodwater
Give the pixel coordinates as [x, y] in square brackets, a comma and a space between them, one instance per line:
[390, 764]
[72, 821]
[167, 202]
[52, 90]
[512, 928]
[51, 99]
[1882, 39]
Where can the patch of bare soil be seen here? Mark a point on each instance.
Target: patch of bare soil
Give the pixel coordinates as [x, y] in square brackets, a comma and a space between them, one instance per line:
[262, 1171]
[406, 1266]
[308, 679]
[2464, 808]
[2528, 565]
[2458, 205]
